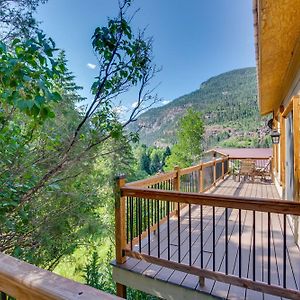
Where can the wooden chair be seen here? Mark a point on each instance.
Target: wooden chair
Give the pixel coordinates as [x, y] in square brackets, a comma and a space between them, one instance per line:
[247, 169]
[263, 172]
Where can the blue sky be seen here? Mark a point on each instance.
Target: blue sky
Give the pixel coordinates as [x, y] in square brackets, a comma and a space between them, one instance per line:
[193, 39]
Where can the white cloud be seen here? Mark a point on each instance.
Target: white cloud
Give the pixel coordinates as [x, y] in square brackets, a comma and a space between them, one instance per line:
[91, 66]
[165, 102]
[120, 110]
[134, 104]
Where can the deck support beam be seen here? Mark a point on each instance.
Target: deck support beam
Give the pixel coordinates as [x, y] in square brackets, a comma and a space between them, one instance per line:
[201, 281]
[121, 290]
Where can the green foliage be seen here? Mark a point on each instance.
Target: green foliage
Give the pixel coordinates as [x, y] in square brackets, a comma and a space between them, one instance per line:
[189, 147]
[16, 18]
[58, 160]
[27, 71]
[98, 274]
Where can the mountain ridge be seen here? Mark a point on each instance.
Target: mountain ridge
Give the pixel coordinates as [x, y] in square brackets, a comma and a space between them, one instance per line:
[228, 103]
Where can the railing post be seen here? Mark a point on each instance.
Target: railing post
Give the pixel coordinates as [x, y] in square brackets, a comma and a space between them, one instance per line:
[200, 180]
[120, 220]
[120, 229]
[215, 172]
[177, 186]
[223, 167]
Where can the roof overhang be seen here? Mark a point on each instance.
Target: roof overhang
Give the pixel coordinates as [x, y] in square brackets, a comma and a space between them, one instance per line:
[277, 39]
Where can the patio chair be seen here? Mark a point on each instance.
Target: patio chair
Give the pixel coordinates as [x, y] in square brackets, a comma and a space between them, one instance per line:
[263, 172]
[247, 169]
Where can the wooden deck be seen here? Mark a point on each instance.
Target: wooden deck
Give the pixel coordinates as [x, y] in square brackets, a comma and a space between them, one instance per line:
[218, 289]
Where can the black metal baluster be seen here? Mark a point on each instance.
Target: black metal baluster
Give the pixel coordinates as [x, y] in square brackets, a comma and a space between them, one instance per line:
[148, 219]
[131, 221]
[178, 219]
[140, 224]
[240, 243]
[127, 220]
[158, 233]
[226, 241]
[201, 236]
[136, 217]
[151, 213]
[190, 234]
[214, 238]
[269, 248]
[168, 228]
[254, 247]
[145, 215]
[284, 251]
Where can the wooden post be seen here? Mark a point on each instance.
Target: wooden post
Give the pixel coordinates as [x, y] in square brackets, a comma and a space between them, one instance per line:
[201, 281]
[120, 220]
[177, 186]
[215, 172]
[223, 167]
[296, 124]
[120, 229]
[121, 290]
[282, 149]
[200, 180]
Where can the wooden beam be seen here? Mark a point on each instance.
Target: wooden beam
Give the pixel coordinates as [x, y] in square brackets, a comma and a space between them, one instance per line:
[288, 108]
[282, 150]
[218, 276]
[296, 128]
[121, 290]
[256, 204]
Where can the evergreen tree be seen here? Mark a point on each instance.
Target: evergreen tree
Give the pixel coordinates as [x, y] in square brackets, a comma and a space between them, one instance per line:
[155, 165]
[145, 163]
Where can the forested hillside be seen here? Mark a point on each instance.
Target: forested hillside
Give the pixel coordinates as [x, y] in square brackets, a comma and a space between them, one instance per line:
[228, 103]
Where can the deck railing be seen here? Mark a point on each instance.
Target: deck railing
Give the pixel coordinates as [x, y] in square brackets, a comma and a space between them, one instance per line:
[21, 280]
[164, 220]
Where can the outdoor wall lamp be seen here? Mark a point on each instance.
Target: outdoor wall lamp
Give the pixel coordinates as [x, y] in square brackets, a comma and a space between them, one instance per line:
[275, 136]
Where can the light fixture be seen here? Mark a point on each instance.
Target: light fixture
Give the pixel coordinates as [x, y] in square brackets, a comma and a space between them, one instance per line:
[275, 136]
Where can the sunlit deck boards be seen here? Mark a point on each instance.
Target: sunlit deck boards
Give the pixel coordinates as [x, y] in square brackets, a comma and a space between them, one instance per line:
[226, 187]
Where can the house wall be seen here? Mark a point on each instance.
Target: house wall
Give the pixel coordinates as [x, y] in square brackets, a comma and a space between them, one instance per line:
[283, 157]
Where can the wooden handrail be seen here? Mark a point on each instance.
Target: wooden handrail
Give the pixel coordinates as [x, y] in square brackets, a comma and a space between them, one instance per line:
[174, 174]
[255, 204]
[154, 179]
[189, 169]
[254, 158]
[25, 281]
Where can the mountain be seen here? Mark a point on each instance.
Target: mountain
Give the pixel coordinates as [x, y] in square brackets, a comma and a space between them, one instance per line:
[228, 103]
